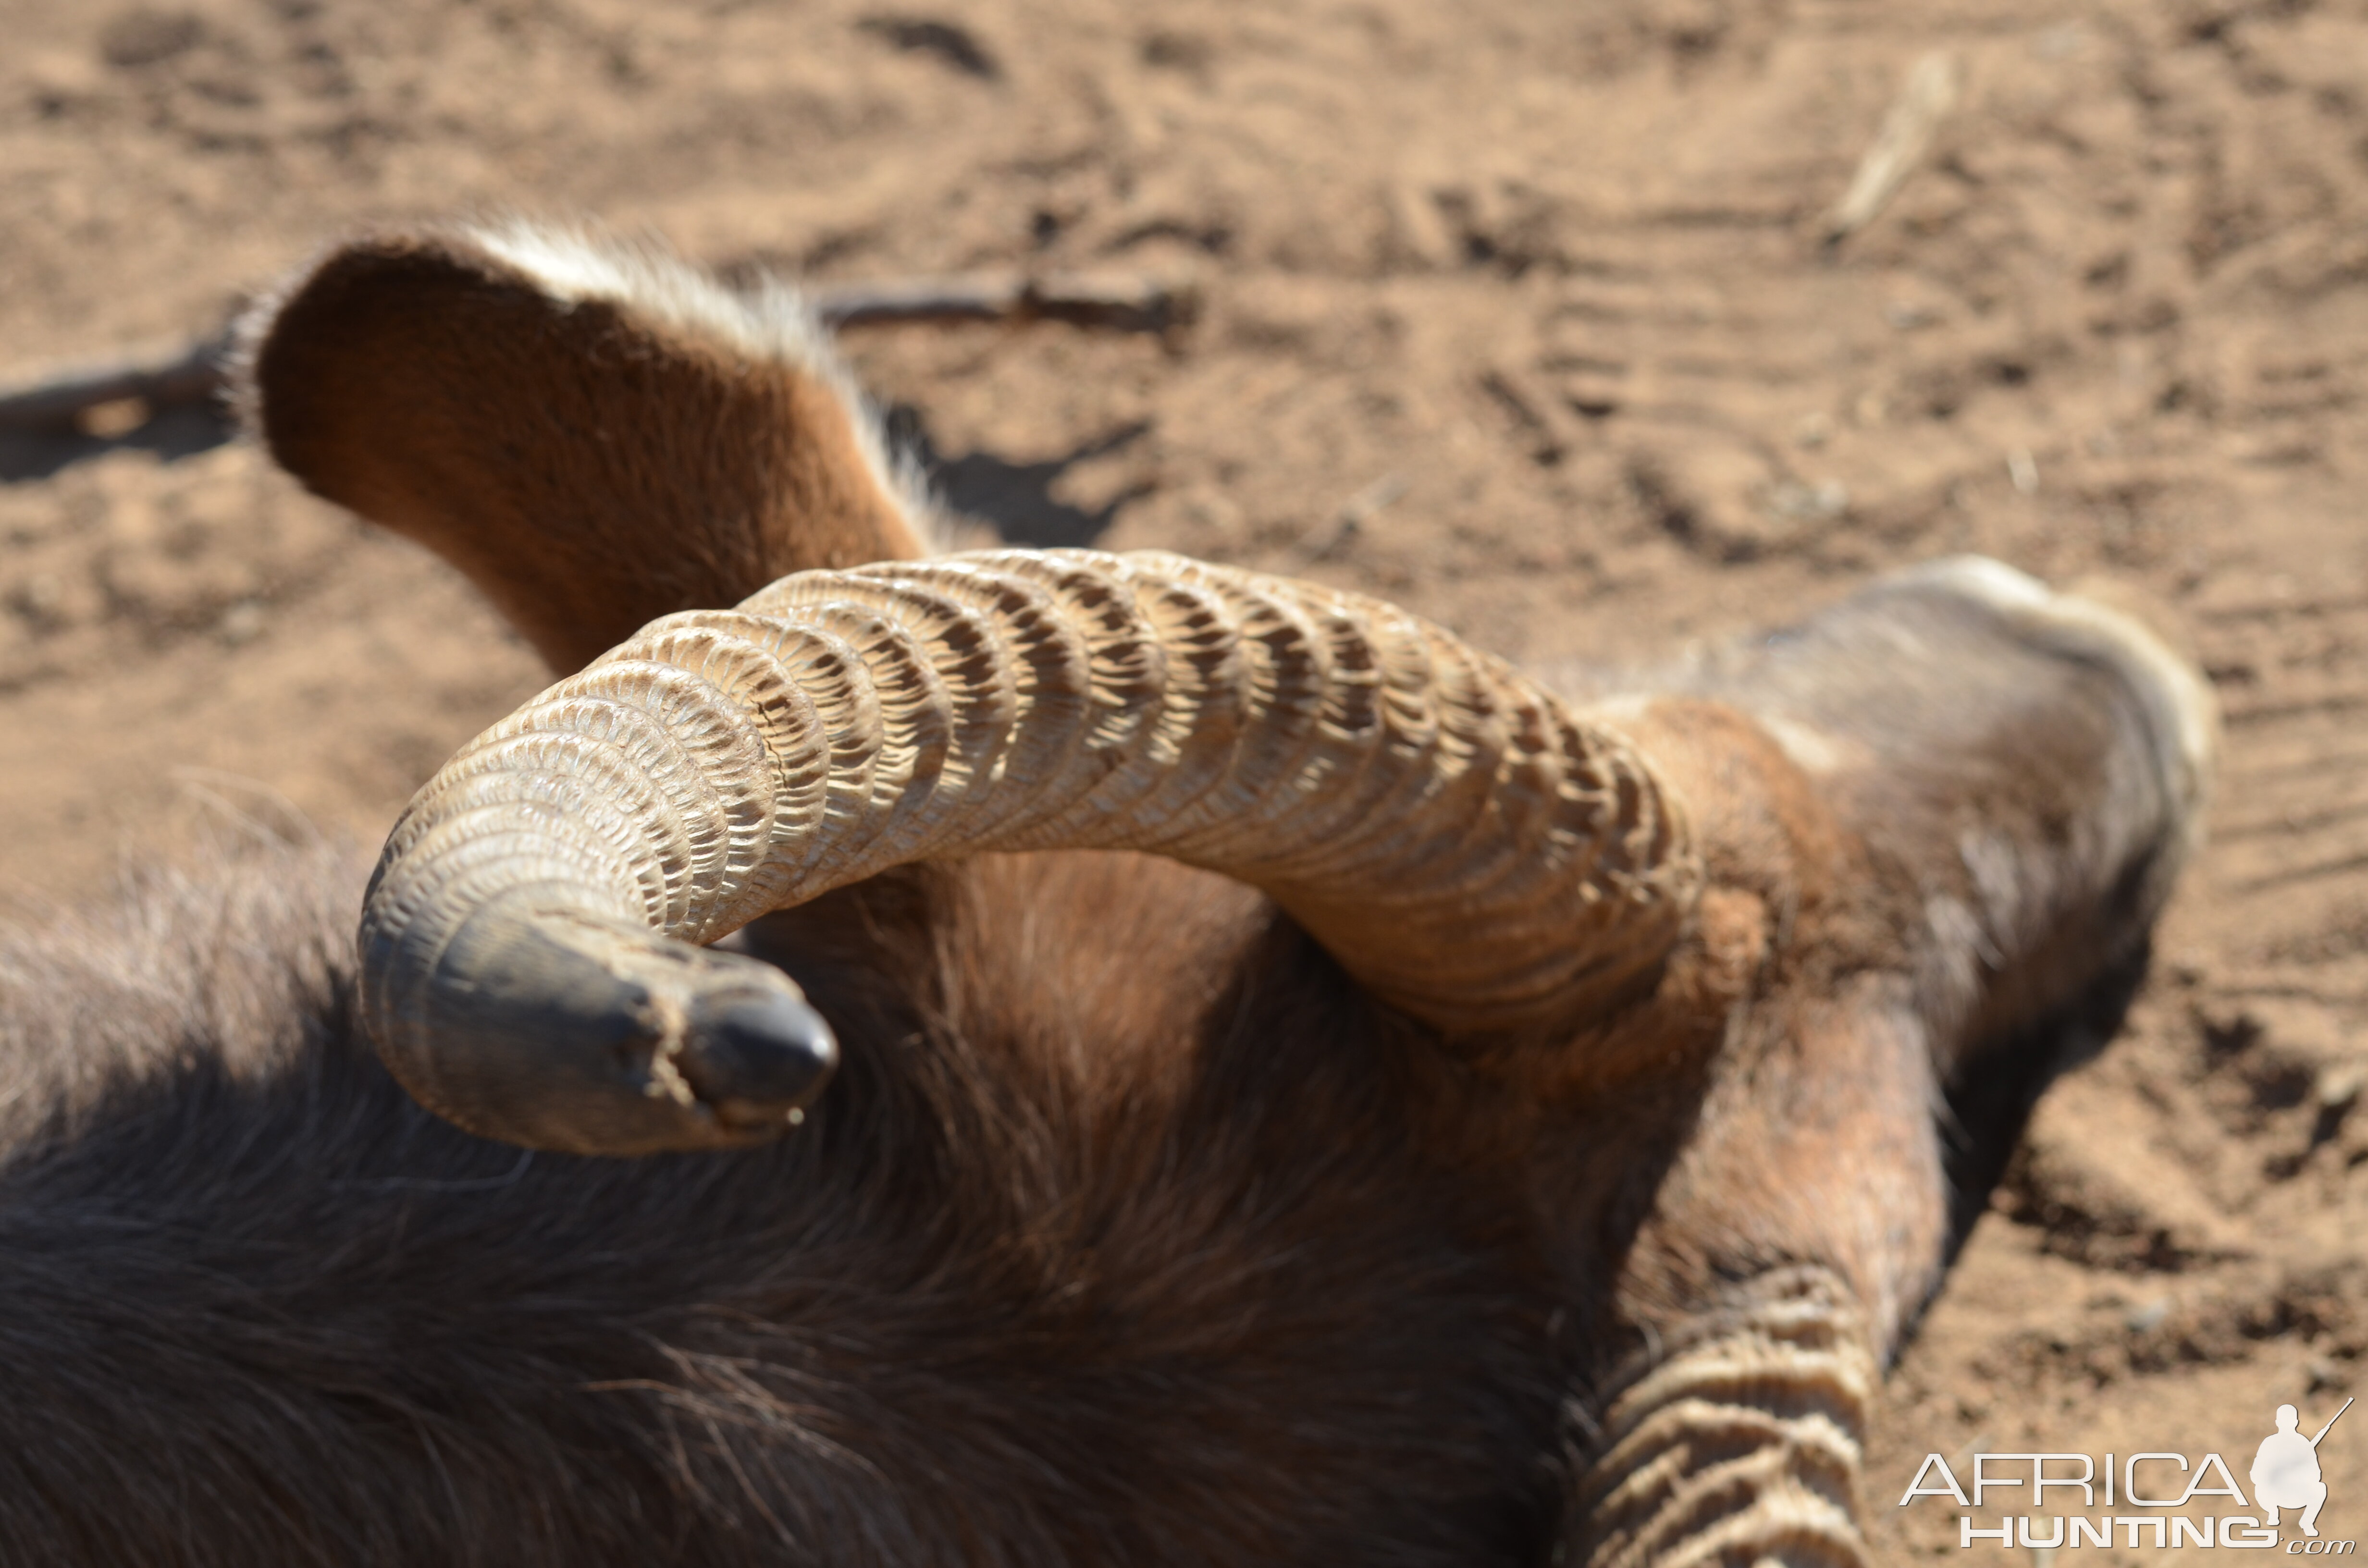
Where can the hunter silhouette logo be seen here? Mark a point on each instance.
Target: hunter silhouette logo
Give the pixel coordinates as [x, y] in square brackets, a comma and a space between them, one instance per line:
[2155, 1498]
[2285, 1469]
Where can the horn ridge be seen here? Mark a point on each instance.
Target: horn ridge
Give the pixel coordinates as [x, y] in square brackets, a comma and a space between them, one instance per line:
[1469, 848]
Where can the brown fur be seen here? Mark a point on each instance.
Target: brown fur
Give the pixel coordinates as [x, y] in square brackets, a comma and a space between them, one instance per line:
[257, 1308]
[1132, 1232]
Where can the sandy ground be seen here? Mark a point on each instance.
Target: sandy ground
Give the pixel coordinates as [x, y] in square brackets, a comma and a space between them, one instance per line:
[1514, 311]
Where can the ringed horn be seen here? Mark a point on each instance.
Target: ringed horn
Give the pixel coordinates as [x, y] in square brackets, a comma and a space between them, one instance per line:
[1465, 848]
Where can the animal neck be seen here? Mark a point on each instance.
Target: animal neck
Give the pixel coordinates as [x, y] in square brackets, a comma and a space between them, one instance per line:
[250, 1294]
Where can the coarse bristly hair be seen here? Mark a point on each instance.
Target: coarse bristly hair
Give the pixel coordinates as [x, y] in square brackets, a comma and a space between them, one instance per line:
[255, 1307]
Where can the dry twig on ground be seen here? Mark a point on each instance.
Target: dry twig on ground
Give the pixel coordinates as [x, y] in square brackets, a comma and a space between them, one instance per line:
[1928, 97]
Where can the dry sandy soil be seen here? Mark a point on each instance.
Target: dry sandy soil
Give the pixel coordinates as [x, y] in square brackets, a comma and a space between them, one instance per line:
[1514, 311]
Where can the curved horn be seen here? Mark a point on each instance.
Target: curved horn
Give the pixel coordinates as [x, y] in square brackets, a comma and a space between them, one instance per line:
[1467, 848]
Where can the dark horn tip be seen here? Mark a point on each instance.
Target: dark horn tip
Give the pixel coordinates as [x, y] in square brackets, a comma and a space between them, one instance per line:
[757, 1055]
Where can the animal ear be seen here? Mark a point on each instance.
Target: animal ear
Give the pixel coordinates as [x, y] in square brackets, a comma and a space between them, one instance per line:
[597, 435]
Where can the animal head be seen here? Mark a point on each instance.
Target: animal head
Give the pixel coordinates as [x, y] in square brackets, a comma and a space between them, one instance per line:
[1430, 1111]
